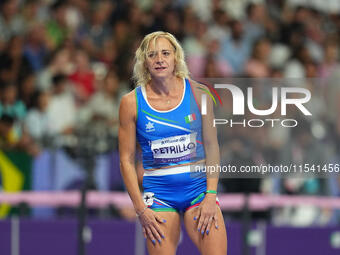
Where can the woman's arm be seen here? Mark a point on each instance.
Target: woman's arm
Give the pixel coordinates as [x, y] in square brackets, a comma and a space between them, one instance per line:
[208, 206]
[127, 149]
[211, 147]
[209, 134]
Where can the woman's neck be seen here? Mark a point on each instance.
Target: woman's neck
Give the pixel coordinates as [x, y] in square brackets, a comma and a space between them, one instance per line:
[164, 86]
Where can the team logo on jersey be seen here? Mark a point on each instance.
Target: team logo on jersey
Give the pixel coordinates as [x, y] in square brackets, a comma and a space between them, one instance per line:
[148, 198]
[149, 127]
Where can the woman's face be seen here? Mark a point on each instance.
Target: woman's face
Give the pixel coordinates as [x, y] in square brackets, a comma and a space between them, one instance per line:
[160, 58]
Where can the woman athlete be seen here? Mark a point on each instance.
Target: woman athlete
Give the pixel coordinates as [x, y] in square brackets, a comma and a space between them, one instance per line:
[163, 115]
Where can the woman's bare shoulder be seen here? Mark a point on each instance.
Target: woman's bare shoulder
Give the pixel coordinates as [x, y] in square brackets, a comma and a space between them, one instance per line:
[198, 89]
[129, 97]
[196, 85]
[128, 104]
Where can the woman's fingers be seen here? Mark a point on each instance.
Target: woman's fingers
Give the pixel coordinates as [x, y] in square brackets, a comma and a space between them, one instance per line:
[162, 221]
[158, 229]
[150, 235]
[144, 232]
[200, 221]
[197, 214]
[210, 222]
[150, 222]
[159, 219]
[156, 233]
[204, 224]
[205, 221]
[216, 221]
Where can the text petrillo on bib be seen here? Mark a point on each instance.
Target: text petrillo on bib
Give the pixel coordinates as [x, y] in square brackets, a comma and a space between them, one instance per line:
[174, 148]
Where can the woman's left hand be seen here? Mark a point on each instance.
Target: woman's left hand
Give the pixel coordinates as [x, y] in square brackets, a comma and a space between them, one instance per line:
[207, 213]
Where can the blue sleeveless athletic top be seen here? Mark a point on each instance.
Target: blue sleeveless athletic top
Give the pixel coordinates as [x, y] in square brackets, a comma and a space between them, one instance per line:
[169, 138]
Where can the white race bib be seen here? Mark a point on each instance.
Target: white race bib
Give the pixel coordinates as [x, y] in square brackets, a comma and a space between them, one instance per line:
[174, 148]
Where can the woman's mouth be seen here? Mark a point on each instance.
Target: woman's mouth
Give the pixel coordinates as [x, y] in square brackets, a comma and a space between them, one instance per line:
[160, 68]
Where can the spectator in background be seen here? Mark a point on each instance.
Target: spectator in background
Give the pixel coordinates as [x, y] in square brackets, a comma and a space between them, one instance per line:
[104, 104]
[30, 12]
[13, 113]
[60, 63]
[94, 33]
[315, 35]
[108, 55]
[295, 67]
[258, 66]
[83, 77]
[77, 12]
[37, 120]
[27, 87]
[173, 21]
[254, 25]
[219, 28]
[14, 64]
[61, 111]
[8, 138]
[137, 20]
[195, 46]
[202, 9]
[311, 69]
[236, 48]
[11, 22]
[103, 107]
[9, 103]
[57, 29]
[188, 22]
[331, 58]
[156, 16]
[240, 154]
[210, 68]
[332, 95]
[214, 65]
[301, 148]
[292, 27]
[36, 46]
[124, 40]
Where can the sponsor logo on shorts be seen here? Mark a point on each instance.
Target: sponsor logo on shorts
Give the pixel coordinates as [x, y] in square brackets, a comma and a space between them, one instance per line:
[148, 198]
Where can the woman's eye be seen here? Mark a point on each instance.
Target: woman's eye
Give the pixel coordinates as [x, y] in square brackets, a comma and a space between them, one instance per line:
[151, 54]
[166, 53]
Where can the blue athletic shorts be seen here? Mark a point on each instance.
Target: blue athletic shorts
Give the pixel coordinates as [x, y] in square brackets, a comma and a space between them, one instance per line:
[174, 189]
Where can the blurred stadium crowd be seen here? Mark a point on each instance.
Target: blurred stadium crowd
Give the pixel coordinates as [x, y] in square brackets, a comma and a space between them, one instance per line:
[64, 65]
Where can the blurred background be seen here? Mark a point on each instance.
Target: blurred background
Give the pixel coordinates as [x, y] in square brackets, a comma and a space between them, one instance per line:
[64, 65]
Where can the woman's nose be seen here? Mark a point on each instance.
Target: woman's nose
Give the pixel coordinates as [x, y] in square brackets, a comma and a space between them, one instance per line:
[159, 57]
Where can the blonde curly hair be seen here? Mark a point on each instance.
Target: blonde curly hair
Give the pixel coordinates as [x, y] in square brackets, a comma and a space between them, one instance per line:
[141, 74]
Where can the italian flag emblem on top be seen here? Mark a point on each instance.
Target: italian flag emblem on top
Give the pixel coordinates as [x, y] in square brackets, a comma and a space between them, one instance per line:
[190, 118]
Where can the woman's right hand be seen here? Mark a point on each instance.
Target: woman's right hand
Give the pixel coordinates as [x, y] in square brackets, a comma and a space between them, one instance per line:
[150, 223]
